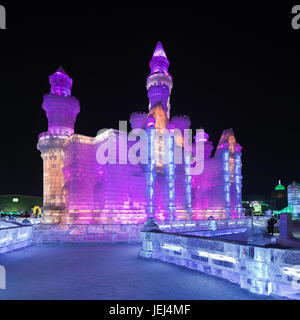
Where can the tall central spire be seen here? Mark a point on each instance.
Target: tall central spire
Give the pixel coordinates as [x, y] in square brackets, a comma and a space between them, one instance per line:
[159, 61]
[159, 51]
[61, 83]
[159, 81]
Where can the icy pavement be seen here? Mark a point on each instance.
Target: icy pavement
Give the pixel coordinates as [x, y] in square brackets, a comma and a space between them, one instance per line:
[107, 271]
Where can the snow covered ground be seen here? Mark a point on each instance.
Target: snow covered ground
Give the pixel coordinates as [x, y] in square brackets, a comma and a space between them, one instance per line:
[107, 271]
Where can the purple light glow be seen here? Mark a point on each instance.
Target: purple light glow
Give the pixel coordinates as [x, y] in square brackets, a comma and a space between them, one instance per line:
[60, 83]
[77, 189]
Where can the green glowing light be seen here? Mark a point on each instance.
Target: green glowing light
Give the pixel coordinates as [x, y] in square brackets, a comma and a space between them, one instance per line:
[288, 209]
[279, 186]
[257, 208]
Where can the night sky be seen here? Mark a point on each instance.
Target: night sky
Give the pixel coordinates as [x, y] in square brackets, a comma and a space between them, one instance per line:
[232, 66]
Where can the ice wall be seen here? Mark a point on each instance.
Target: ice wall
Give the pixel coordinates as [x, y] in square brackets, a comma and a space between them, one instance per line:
[258, 269]
[14, 236]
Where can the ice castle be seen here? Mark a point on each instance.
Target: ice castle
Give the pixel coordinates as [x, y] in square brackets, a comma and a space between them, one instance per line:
[80, 190]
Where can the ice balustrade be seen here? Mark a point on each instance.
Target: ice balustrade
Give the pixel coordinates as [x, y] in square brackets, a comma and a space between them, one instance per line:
[261, 270]
[131, 232]
[14, 235]
[195, 225]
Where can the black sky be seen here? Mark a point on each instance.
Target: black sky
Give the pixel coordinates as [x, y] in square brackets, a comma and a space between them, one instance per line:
[232, 66]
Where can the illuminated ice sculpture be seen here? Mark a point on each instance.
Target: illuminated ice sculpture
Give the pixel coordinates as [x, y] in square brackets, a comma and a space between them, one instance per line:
[80, 190]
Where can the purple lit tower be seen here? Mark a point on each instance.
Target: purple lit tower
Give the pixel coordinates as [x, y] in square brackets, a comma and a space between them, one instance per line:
[78, 189]
[61, 110]
[159, 81]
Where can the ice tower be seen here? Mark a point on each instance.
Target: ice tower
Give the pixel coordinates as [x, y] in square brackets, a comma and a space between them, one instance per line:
[61, 110]
[159, 81]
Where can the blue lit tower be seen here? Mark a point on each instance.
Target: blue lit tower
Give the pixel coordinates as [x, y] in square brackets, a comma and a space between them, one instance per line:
[159, 81]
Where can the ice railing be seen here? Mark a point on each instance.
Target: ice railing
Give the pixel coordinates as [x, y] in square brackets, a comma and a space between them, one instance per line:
[196, 225]
[4, 224]
[261, 270]
[32, 220]
[13, 233]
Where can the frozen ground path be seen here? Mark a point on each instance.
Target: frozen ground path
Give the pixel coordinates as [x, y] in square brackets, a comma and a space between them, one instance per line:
[106, 271]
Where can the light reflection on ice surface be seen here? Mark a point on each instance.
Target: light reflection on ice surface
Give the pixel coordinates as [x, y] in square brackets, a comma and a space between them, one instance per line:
[107, 271]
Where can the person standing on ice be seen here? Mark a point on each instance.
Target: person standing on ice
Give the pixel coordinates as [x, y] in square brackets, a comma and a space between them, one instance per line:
[271, 223]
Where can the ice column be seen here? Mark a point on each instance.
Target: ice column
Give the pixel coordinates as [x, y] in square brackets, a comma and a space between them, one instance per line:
[170, 176]
[227, 184]
[188, 184]
[150, 172]
[238, 183]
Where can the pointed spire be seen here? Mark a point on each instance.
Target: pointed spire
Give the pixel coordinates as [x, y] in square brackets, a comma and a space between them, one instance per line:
[228, 141]
[159, 62]
[279, 186]
[61, 70]
[159, 51]
[227, 137]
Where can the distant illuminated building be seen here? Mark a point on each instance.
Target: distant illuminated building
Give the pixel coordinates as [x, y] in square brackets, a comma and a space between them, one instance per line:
[278, 198]
[286, 201]
[17, 204]
[293, 191]
[80, 190]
